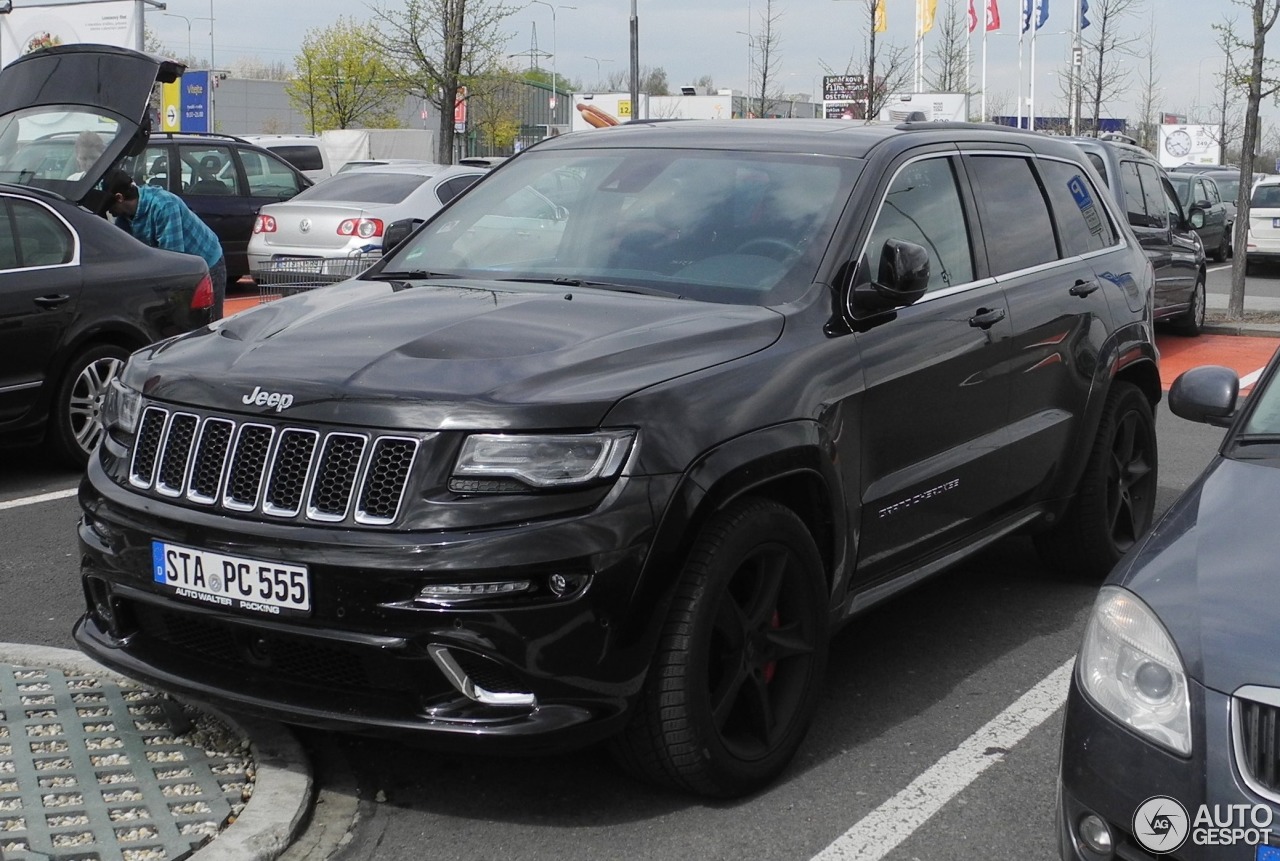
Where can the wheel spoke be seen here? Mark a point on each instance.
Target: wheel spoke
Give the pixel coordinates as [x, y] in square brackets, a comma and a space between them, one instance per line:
[771, 570]
[757, 709]
[788, 641]
[725, 696]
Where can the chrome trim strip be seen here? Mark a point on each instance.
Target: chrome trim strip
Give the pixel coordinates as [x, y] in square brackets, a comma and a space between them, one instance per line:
[469, 689]
[307, 477]
[361, 465]
[234, 505]
[133, 459]
[369, 520]
[19, 387]
[1267, 697]
[222, 470]
[164, 489]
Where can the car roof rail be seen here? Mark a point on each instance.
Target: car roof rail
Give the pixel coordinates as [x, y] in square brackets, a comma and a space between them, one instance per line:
[211, 135]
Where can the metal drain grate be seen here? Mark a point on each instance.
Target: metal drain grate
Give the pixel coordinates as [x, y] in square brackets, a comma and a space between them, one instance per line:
[90, 771]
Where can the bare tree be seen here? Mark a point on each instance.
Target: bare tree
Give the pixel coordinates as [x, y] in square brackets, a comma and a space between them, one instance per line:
[1230, 117]
[946, 67]
[653, 81]
[885, 69]
[766, 41]
[1261, 80]
[1102, 78]
[1150, 93]
[437, 45]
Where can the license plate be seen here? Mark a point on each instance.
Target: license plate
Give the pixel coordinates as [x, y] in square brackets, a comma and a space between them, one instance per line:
[1275, 222]
[235, 582]
[1267, 853]
[296, 264]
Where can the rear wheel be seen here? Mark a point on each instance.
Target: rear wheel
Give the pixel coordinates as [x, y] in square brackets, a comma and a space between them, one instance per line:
[1115, 500]
[1192, 320]
[76, 426]
[735, 681]
[1223, 251]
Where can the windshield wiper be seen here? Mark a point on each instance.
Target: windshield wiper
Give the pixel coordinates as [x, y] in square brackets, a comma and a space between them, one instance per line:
[1258, 439]
[599, 285]
[407, 275]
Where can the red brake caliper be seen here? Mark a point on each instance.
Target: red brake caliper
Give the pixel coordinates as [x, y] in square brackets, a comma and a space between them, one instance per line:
[770, 668]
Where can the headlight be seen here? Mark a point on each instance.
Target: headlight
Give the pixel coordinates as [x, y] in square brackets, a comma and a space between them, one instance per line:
[550, 460]
[1131, 669]
[121, 408]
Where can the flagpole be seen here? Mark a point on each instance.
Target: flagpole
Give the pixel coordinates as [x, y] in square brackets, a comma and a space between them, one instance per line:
[1075, 68]
[1022, 18]
[1035, 28]
[919, 41]
[984, 66]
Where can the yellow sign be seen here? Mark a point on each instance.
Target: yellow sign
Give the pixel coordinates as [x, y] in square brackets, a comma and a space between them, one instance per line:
[171, 107]
[624, 108]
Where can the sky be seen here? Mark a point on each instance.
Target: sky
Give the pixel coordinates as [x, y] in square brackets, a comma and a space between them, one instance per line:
[691, 39]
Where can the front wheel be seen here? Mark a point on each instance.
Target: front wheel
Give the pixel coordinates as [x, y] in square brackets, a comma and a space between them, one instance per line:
[76, 421]
[736, 678]
[1116, 497]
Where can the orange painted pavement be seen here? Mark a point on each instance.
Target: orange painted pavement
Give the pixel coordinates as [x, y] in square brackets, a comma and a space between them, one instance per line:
[1244, 354]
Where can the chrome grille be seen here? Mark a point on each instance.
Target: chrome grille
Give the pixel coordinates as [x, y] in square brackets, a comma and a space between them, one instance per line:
[285, 472]
[1258, 747]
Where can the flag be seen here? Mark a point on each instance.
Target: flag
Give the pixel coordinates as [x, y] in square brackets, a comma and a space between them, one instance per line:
[1042, 13]
[993, 15]
[1084, 9]
[926, 11]
[1026, 15]
[973, 17]
[881, 19]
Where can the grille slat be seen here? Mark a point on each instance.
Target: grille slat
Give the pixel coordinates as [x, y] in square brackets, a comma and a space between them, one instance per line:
[1258, 751]
[286, 472]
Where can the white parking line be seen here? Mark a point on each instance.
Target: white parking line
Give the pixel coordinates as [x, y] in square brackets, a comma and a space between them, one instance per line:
[36, 500]
[1250, 379]
[882, 829]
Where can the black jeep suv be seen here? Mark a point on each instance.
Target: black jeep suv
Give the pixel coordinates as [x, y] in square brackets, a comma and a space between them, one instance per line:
[619, 466]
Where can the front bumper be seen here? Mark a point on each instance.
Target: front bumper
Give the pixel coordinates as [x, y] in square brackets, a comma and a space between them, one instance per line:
[1109, 771]
[369, 657]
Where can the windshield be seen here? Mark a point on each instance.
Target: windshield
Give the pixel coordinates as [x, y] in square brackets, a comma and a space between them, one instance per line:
[1266, 197]
[1182, 185]
[736, 227]
[364, 186]
[1228, 187]
[53, 147]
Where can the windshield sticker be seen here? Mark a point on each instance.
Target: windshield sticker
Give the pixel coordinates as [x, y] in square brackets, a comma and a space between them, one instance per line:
[1084, 200]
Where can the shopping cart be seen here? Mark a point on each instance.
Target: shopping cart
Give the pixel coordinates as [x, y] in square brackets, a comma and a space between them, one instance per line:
[287, 276]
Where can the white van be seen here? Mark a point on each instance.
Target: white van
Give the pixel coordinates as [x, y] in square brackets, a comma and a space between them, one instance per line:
[305, 152]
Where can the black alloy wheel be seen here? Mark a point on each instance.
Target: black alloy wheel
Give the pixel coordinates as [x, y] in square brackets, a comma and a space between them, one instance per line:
[77, 411]
[1115, 500]
[736, 678]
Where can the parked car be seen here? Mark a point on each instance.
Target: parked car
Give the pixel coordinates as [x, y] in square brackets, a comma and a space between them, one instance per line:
[1228, 180]
[616, 467]
[305, 152]
[224, 179]
[77, 294]
[1176, 693]
[1166, 230]
[1264, 223]
[345, 216]
[1200, 192]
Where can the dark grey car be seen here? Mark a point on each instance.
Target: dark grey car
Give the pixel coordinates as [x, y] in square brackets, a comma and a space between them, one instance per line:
[1214, 227]
[1176, 693]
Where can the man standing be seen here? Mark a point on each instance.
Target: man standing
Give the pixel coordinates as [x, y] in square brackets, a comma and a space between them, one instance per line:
[160, 219]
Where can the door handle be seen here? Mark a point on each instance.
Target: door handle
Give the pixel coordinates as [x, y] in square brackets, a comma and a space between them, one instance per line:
[1083, 288]
[986, 318]
[52, 301]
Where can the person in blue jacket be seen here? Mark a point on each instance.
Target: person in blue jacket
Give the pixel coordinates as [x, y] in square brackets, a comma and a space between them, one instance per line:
[161, 219]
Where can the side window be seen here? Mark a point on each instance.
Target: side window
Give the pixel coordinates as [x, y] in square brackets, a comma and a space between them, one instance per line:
[1135, 202]
[268, 176]
[1016, 222]
[8, 247]
[208, 170]
[43, 240]
[1211, 192]
[1077, 208]
[451, 188]
[1159, 201]
[923, 206]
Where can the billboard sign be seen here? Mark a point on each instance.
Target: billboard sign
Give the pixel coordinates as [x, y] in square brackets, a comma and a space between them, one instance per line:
[195, 102]
[1189, 144]
[936, 107]
[29, 28]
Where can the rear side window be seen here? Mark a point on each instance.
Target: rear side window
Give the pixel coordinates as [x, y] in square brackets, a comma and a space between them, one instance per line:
[365, 186]
[1016, 219]
[1160, 202]
[1144, 195]
[1082, 220]
[268, 176]
[301, 156]
[1266, 196]
[923, 206]
[451, 188]
[31, 236]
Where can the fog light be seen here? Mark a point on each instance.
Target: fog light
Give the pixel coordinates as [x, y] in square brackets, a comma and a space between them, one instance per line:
[451, 593]
[1095, 835]
[563, 585]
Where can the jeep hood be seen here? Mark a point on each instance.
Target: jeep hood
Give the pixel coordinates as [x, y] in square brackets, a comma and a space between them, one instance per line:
[449, 355]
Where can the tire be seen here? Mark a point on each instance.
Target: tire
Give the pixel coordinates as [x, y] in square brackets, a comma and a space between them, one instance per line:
[76, 421]
[737, 675]
[1223, 251]
[1191, 322]
[1116, 497]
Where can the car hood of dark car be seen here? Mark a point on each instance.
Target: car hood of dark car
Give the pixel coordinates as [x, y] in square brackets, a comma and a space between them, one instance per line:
[1209, 572]
[116, 81]
[450, 355]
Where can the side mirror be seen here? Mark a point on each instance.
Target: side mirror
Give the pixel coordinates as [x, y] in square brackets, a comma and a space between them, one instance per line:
[397, 232]
[1206, 394]
[903, 278]
[1196, 217]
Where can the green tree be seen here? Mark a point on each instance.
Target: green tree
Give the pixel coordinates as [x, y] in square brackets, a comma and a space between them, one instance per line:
[341, 80]
[437, 46]
[493, 109]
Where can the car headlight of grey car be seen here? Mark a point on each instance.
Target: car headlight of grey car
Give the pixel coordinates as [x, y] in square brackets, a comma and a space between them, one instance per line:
[121, 408]
[1130, 667]
[539, 461]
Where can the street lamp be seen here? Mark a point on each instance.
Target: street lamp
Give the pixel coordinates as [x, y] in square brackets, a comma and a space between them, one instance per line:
[598, 62]
[751, 57]
[188, 20]
[554, 82]
[6, 6]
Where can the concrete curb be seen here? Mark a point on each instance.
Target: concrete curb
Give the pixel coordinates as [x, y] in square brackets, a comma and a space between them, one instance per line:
[282, 786]
[1260, 330]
